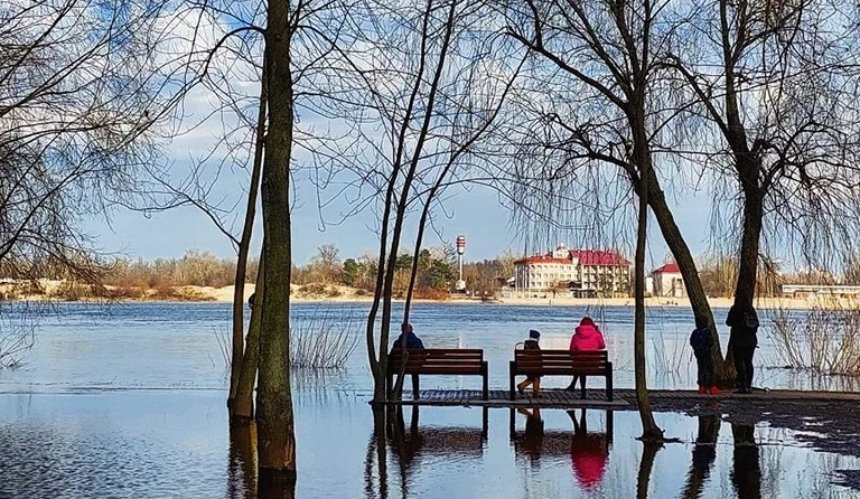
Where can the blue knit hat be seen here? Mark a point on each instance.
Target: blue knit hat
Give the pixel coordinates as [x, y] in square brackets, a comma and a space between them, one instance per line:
[534, 333]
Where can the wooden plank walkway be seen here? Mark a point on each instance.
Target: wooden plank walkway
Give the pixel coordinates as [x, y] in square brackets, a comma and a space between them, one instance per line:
[500, 398]
[557, 398]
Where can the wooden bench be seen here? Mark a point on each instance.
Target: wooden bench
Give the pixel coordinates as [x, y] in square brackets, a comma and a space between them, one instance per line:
[560, 363]
[439, 361]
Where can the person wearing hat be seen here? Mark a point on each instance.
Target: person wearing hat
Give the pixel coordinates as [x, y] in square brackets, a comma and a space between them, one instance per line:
[531, 344]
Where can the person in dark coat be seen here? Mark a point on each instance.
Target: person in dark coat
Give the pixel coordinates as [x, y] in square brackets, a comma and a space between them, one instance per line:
[743, 322]
[251, 300]
[701, 342]
[407, 334]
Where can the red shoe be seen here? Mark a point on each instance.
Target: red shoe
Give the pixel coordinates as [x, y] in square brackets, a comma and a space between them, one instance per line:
[703, 390]
[714, 390]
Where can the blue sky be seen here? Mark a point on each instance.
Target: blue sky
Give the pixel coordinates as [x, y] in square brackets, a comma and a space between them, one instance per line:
[477, 213]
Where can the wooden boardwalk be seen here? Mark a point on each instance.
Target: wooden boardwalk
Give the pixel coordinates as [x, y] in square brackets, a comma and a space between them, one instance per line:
[623, 399]
[500, 398]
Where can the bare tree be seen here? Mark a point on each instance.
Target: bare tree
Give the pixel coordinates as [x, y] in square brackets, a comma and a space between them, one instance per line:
[616, 42]
[777, 83]
[420, 92]
[75, 125]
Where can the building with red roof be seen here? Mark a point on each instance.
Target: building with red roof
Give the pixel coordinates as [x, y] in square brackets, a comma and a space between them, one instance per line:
[580, 272]
[668, 281]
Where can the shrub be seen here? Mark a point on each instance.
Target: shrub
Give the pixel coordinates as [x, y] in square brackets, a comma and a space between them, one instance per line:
[823, 340]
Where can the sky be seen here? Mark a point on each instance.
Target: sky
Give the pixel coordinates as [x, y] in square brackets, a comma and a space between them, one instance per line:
[478, 214]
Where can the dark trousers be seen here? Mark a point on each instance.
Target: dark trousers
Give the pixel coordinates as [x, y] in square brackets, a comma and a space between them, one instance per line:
[705, 365]
[743, 352]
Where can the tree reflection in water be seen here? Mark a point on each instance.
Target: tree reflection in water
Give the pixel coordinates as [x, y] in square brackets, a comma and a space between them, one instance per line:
[746, 470]
[242, 469]
[704, 454]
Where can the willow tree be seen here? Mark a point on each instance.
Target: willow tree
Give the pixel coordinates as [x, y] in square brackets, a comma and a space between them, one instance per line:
[777, 84]
[599, 102]
[76, 126]
[602, 96]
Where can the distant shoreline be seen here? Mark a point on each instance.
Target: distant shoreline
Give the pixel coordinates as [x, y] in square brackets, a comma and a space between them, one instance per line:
[343, 294]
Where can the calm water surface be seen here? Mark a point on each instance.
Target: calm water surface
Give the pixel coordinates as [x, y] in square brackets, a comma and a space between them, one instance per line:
[128, 401]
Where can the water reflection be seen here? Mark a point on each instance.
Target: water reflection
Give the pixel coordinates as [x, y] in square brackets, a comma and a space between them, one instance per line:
[242, 468]
[746, 469]
[704, 455]
[588, 450]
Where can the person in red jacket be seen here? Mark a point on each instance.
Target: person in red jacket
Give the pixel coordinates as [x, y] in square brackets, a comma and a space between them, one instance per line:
[586, 336]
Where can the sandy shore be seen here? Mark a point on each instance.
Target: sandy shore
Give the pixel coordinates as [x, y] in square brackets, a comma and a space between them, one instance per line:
[343, 294]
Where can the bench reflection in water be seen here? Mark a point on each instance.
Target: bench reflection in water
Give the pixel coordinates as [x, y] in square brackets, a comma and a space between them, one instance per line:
[409, 443]
[588, 450]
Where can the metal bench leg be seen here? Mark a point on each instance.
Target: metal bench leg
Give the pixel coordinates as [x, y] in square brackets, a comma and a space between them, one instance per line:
[513, 388]
[485, 372]
[582, 386]
[609, 381]
[485, 423]
[416, 387]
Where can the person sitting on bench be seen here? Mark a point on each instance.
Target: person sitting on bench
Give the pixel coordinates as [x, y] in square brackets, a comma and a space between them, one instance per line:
[534, 381]
[408, 336]
[586, 337]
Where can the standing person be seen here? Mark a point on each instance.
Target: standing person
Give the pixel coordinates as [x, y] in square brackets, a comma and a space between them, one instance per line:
[700, 340]
[586, 337]
[407, 335]
[532, 343]
[743, 322]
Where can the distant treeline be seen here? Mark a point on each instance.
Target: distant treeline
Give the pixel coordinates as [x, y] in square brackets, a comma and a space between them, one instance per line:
[163, 278]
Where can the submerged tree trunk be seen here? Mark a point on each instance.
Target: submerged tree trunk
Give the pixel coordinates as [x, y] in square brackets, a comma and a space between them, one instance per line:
[244, 248]
[243, 411]
[276, 436]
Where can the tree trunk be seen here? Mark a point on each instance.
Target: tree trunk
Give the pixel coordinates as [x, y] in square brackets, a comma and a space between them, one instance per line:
[684, 258]
[244, 248]
[276, 436]
[753, 214]
[642, 156]
[243, 412]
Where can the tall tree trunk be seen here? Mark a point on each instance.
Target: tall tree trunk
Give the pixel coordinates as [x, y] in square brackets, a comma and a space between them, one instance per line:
[753, 213]
[692, 282]
[244, 248]
[650, 431]
[276, 435]
[243, 412]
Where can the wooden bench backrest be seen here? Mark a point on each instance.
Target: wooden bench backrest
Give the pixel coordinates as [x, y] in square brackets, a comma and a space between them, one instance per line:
[438, 361]
[561, 361]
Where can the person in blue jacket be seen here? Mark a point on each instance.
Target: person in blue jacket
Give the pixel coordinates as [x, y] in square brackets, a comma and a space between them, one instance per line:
[408, 335]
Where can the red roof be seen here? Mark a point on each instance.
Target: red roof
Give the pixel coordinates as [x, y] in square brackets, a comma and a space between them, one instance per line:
[543, 259]
[586, 257]
[669, 268]
[591, 257]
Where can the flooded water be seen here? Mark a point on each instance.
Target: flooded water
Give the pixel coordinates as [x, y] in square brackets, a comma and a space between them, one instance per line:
[128, 401]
